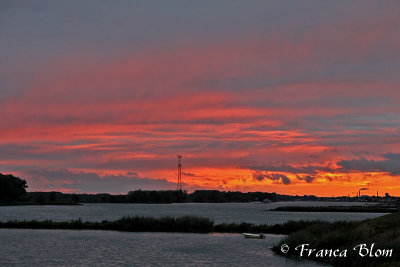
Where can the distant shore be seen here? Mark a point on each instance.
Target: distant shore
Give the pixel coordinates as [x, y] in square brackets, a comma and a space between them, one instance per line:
[198, 196]
[372, 209]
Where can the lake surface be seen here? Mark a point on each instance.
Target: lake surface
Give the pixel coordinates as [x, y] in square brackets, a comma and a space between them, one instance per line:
[26, 247]
[20, 247]
[219, 212]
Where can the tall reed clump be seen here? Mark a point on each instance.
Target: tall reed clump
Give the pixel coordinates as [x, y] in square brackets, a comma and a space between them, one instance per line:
[185, 224]
[188, 224]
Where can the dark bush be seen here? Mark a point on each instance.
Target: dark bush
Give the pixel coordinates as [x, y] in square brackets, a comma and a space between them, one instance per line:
[11, 187]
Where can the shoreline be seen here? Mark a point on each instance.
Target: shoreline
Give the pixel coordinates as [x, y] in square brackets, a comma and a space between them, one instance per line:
[185, 224]
[363, 209]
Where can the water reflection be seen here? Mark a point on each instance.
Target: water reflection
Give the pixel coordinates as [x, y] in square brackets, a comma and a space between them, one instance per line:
[106, 248]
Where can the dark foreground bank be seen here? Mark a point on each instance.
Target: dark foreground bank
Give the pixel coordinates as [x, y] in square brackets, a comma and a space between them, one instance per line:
[186, 224]
[372, 242]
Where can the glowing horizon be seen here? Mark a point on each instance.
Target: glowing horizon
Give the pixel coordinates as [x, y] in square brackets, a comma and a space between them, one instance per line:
[292, 98]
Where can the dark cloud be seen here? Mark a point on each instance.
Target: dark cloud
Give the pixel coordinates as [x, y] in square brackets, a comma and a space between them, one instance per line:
[272, 176]
[393, 156]
[390, 164]
[90, 182]
[309, 169]
[307, 178]
[189, 174]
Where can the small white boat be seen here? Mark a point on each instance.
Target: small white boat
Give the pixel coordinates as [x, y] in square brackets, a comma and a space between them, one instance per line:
[255, 236]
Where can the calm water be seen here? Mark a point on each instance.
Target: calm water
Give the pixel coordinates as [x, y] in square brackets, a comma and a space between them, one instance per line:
[219, 212]
[20, 247]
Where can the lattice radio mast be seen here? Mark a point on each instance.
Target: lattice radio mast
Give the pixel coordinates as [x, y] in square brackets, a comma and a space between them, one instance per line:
[179, 184]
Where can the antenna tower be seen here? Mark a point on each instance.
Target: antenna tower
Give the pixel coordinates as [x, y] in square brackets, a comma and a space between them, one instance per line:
[179, 184]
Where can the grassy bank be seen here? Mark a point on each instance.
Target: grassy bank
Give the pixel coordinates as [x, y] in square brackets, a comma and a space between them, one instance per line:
[133, 224]
[383, 232]
[366, 209]
[187, 224]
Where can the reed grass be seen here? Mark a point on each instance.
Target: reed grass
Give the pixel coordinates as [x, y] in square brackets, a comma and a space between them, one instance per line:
[186, 224]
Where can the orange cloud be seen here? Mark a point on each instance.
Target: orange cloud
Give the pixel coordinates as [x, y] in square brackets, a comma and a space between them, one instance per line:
[257, 101]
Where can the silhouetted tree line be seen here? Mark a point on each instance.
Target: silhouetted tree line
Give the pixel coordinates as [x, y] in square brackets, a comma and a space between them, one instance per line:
[11, 188]
[215, 196]
[167, 196]
[200, 196]
[55, 198]
[151, 196]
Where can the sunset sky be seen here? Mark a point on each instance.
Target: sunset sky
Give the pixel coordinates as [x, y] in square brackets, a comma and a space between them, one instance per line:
[293, 97]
